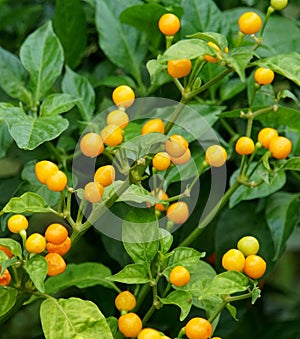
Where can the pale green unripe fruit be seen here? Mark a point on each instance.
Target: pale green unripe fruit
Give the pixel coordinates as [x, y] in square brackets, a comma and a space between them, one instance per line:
[248, 245]
[279, 4]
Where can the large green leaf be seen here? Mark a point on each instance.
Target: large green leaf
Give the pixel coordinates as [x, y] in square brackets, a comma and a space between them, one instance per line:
[37, 268]
[5, 138]
[282, 214]
[13, 77]
[8, 296]
[121, 43]
[42, 55]
[29, 202]
[73, 318]
[83, 275]
[287, 65]
[79, 86]
[73, 35]
[30, 132]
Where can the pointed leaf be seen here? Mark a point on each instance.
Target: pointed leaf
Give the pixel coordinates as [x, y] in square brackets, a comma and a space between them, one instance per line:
[182, 299]
[282, 214]
[12, 245]
[238, 59]
[73, 318]
[42, 56]
[132, 274]
[81, 89]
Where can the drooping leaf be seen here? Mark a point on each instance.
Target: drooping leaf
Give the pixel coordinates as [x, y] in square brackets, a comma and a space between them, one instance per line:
[80, 88]
[8, 296]
[37, 268]
[13, 77]
[282, 214]
[71, 318]
[12, 245]
[73, 35]
[182, 299]
[42, 56]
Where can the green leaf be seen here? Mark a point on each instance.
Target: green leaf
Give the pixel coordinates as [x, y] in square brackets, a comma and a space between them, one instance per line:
[165, 240]
[238, 59]
[12, 245]
[158, 75]
[184, 256]
[5, 137]
[266, 188]
[186, 49]
[232, 310]
[287, 65]
[182, 299]
[8, 296]
[121, 43]
[132, 274]
[227, 283]
[138, 194]
[83, 275]
[13, 77]
[216, 38]
[37, 268]
[231, 88]
[73, 318]
[79, 87]
[282, 214]
[73, 35]
[29, 202]
[140, 236]
[256, 294]
[42, 55]
[292, 164]
[55, 104]
[30, 132]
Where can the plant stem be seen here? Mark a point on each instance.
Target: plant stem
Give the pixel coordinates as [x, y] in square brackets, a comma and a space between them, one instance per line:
[217, 311]
[175, 115]
[201, 226]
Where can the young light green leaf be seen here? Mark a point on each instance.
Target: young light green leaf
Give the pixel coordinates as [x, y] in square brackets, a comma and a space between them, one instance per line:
[37, 268]
[238, 59]
[158, 76]
[42, 55]
[83, 275]
[8, 296]
[182, 299]
[55, 104]
[29, 202]
[30, 132]
[132, 274]
[282, 215]
[12, 245]
[73, 318]
[72, 36]
[13, 77]
[214, 37]
[79, 86]
[227, 283]
[232, 310]
[165, 240]
[292, 164]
